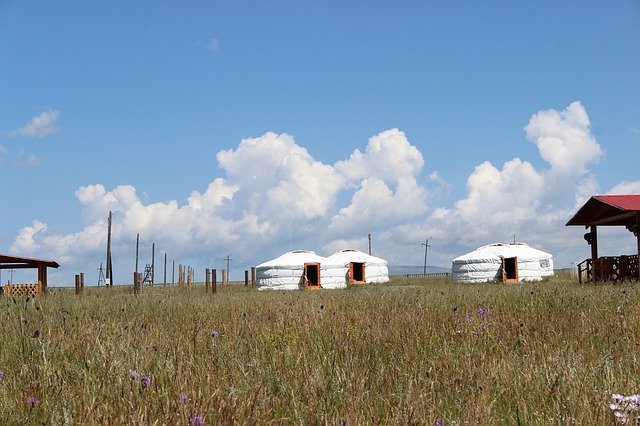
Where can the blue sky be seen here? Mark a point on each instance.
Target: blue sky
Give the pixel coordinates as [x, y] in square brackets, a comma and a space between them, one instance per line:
[254, 128]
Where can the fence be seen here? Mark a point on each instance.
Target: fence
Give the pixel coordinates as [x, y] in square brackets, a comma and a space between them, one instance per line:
[30, 289]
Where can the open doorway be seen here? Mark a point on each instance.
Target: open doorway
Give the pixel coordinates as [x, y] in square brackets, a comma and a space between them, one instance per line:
[312, 275]
[356, 272]
[509, 269]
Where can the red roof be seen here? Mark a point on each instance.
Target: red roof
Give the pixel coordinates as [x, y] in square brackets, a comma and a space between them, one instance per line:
[609, 210]
[624, 202]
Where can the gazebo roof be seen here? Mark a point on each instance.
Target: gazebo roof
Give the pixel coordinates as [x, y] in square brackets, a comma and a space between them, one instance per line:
[15, 262]
[608, 210]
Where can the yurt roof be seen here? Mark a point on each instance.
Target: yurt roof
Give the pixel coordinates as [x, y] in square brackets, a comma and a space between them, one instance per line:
[347, 256]
[499, 250]
[296, 257]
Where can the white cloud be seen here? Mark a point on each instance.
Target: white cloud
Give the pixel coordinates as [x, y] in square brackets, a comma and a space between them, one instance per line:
[626, 187]
[41, 125]
[564, 138]
[274, 196]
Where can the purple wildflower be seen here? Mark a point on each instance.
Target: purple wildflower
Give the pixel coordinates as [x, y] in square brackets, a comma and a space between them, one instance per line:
[183, 398]
[1, 374]
[439, 421]
[197, 421]
[215, 334]
[468, 319]
[145, 381]
[133, 374]
[36, 333]
[481, 311]
[32, 400]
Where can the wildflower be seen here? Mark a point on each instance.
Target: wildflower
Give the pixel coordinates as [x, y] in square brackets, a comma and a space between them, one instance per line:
[133, 374]
[439, 421]
[183, 398]
[468, 319]
[197, 421]
[481, 311]
[145, 381]
[624, 406]
[24, 319]
[1, 374]
[215, 334]
[36, 334]
[32, 400]
[144, 331]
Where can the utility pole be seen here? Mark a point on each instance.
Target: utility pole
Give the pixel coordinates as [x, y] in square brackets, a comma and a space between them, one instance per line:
[137, 246]
[426, 249]
[165, 268]
[153, 262]
[369, 236]
[109, 274]
[227, 258]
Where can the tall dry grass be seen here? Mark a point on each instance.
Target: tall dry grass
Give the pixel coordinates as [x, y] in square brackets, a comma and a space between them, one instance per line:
[411, 352]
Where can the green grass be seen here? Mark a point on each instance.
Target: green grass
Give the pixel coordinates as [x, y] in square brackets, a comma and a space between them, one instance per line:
[408, 352]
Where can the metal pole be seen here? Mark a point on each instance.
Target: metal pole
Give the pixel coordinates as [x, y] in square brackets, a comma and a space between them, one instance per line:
[369, 236]
[165, 268]
[153, 262]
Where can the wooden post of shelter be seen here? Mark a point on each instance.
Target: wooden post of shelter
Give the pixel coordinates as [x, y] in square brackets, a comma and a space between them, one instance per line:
[207, 280]
[189, 274]
[246, 278]
[253, 277]
[224, 277]
[81, 282]
[595, 268]
[77, 277]
[180, 275]
[214, 281]
[42, 277]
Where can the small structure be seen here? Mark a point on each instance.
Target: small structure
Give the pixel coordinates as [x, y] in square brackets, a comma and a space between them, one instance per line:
[353, 266]
[291, 271]
[608, 210]
[508, 263]
[15, 262]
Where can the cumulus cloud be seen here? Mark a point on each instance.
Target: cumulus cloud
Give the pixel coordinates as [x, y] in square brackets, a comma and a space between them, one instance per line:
[41, 125]
[564, 138]
[274, 196]
[626, 187]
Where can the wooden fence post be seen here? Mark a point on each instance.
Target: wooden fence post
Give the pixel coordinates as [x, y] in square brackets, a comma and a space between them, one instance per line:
[81, 282]
[180, 275]
[246, 278]
[224, 277]
[206, 280]
[77, 284]
[136, 283]
[214, 281]
[253, 277]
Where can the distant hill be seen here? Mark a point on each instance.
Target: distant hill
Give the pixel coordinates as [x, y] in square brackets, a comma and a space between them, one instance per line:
[410, 269]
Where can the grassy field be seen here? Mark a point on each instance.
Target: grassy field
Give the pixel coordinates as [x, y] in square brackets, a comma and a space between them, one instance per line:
[411, 352]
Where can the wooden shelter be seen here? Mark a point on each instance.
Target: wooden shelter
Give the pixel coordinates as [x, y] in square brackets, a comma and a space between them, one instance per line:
[14, 262]
[609, 210]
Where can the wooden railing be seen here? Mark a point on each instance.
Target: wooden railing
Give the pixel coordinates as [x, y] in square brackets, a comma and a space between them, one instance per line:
[32, 289]
[609, 268]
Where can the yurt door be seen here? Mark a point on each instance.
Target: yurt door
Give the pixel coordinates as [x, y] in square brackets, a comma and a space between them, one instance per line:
[312, 275]
[356, 272]
[509, 269]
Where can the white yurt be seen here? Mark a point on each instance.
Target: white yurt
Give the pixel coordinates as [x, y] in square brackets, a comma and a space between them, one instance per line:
[504, 263]
[291, 271]
[353, 266]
